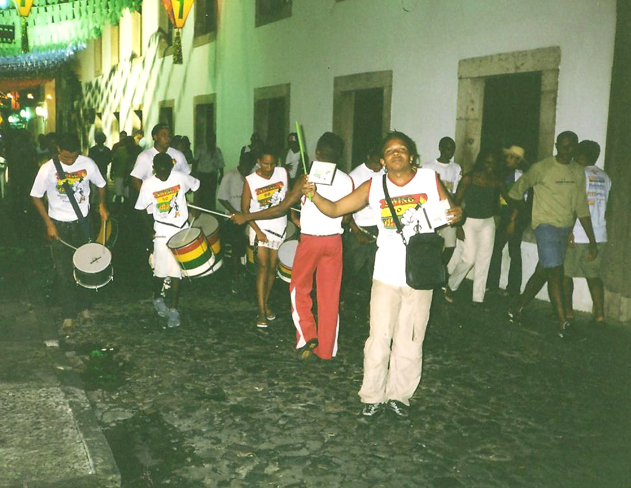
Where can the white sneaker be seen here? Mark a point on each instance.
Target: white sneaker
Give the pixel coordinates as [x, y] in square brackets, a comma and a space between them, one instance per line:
[174, 318]
[160, 306]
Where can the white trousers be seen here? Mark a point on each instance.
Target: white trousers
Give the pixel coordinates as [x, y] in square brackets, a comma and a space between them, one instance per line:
[479, 237]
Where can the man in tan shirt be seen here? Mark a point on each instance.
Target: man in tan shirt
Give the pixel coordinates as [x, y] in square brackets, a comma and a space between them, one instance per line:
[559, 198]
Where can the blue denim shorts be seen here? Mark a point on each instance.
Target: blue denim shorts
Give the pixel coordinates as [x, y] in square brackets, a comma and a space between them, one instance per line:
[551, 244]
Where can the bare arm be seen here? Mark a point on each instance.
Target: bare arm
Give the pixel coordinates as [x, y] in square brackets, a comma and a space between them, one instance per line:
[102, 207]
[137, 183]
[228, 206]
[350, 203]
[51, 230]
[586, 222]
[273, 212]
[245, 206]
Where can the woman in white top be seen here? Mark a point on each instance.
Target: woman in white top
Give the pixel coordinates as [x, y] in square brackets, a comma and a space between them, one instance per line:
[265, 188]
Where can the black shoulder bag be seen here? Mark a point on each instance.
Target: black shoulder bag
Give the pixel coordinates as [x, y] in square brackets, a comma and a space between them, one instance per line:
[424, 268]
[85, 225]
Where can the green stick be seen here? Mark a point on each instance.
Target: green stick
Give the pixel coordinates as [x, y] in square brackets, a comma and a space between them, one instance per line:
[302, 147]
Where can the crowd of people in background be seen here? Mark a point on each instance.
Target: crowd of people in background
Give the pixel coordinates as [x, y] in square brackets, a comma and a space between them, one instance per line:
[344, 243]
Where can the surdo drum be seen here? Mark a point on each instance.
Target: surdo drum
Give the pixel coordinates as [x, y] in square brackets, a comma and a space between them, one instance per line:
[191, 251]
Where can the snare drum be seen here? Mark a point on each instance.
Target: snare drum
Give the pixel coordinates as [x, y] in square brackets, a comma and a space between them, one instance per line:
[210, 228]
[191, 251]
[92, 266]
[286, 254]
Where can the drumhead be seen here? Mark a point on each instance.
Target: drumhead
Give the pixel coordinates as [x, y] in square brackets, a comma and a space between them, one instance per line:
[92, 258]
[206, 222]
[287, 252]
[184, 237]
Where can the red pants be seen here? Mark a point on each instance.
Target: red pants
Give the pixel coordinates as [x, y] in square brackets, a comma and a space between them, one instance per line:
[321, 255]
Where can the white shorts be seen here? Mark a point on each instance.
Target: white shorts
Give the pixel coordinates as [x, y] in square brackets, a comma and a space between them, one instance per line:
[164, 263]
[449, 234]
[273, 242]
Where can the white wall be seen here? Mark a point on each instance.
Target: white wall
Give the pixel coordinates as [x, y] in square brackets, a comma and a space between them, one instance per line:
[421, 41]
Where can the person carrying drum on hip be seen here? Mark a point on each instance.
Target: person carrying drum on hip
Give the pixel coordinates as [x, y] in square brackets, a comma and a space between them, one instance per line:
[263, 189]
[163, 196]
[63, 226]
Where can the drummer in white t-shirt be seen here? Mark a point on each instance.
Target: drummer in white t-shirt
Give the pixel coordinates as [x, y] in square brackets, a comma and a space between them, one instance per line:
[62, 223]
[450, 174]
[265, 188]
[143, 168]
[163, 196]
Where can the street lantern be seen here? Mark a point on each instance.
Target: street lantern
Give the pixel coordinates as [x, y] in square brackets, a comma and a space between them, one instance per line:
[177, 10]
[24, 8]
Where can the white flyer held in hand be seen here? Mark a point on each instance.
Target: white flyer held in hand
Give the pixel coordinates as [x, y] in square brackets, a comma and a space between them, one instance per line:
[322, 173]
[437, 213]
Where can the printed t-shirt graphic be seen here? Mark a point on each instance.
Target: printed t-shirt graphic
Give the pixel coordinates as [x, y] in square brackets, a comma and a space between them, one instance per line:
[269, 195]
[74, 180]
[166, 201]
[401, 205]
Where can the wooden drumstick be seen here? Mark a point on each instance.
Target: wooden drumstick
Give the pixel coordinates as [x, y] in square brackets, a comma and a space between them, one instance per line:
[209, 211]
[70, 246]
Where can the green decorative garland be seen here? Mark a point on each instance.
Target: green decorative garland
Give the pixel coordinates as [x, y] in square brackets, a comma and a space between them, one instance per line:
[57, 24]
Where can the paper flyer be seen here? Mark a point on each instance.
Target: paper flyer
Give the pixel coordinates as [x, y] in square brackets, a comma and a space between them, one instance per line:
[322, 173]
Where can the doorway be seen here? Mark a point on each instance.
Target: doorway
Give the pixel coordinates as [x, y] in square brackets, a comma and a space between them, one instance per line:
[367, 123]
[505, 75]
[511, 112]
[361, 113]
[271, 114]
[204, 123]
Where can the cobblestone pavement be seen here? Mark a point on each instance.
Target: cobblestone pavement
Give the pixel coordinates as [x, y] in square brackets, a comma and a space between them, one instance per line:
[218, 402]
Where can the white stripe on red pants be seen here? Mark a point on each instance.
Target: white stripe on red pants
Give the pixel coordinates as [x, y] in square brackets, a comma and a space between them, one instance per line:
[322, 256]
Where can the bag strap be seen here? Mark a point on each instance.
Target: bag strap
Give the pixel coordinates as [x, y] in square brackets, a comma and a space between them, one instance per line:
[393, 212]
[73, 202]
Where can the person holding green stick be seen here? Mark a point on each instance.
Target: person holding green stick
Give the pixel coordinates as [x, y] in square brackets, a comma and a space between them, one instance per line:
[319, 256]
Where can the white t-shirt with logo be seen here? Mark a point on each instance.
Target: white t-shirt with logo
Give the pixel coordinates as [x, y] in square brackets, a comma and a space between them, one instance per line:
[390, 258]
[450, 173]
[166, 201]
[79, 175]
[143, 168]
[315, 223]
[598, 185]
[366, 216]
[231, 189]
[266, 193]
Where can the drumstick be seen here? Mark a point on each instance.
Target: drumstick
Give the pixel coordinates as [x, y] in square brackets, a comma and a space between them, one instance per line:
[209, 211]
[70, 246]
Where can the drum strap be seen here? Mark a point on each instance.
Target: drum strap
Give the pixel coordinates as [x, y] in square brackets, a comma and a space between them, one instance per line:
[172, 225]
[73, 202]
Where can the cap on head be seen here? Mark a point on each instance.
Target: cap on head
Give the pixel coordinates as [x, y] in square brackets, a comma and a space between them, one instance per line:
[514, 151]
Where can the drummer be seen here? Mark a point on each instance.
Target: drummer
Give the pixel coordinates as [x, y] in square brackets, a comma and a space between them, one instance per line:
[62, 223]
[265, 188]
[163, 196]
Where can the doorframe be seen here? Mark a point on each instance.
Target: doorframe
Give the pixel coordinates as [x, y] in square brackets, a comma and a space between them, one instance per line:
[472, 75]
[344, 88]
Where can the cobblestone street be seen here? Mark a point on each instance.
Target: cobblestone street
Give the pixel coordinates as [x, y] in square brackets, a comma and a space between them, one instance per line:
[218, 402]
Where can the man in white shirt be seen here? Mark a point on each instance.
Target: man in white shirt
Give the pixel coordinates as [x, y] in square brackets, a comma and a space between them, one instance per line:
[229, 195]
[209, 166]
[576, 265]
[61, 220]
[143, 168]
[450, 174]
[292, 159]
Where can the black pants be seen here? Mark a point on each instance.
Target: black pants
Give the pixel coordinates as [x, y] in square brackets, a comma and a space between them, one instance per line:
[68, 295]
[514, 251]
[207, 189]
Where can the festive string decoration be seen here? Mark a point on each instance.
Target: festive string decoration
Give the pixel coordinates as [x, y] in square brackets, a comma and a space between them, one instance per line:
[178, 10]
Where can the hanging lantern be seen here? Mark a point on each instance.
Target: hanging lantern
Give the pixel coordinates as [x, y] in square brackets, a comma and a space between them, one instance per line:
[24, 8]
[177, 11]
